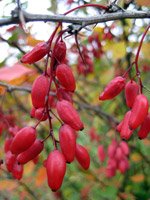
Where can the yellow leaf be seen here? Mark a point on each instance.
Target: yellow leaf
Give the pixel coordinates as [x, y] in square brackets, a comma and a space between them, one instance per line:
[40, 177]
[8, 185]
[135, 157]
[143, 2]
[137, 178]
[145, 47]
[118, 49]
[31, 41]
[28, 168]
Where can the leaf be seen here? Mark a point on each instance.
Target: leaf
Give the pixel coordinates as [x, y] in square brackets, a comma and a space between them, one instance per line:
[138, 178]
[118, 49]
[5, 183]
[143, 2]
[40, 177]
[16, 74]
[31, 41]
[28, 168]
[135, 157]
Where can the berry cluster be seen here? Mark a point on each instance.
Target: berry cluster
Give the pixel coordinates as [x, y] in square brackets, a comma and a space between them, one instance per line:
[117, 158]
[138, 115]
[52, 89]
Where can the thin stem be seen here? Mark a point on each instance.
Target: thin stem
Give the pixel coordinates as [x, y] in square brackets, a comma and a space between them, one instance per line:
[137, 57]
[87, 5]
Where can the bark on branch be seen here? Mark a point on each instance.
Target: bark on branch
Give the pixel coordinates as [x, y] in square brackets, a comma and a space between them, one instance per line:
[84, 21]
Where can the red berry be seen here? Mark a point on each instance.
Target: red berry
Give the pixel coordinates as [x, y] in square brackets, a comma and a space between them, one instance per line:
[17, 171]
[101, 153]
[10, 160]
[23, 140]
[82, 156]
[67, 139]
[112, 149]
[125, 132]
[60, 51]
[41, 114]
[36, 54]
[145, 128]
[125, 148]
[56, 168]
[113, 88]
[7, 144]
[63, 94]
[32, 152]
[39, 91]
[131, 91]
[66, 77]
[69, 115]
[139, 111]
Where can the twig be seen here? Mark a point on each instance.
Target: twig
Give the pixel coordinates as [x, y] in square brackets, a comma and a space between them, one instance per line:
[77, 20]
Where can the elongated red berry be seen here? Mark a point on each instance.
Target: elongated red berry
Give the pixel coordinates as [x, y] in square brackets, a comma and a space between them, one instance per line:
[10, 160]
[125, 148]
[60, 51]
[131, 91]
[145, 128]
[32, 152]
[56, 168]
[67, 139]
[69, 115]
[113, 88]
[139, 111]
[7, 145]
[41, 114]
[119, 154]
[66, 77]
[112, 149]
[36, 54]
[82, 156]
[101, 153]
[39, 91]
[126, 132]
[63, 94]
[17, 171]
[23, 140]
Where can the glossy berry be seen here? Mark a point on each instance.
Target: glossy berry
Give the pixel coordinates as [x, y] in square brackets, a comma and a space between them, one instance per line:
[67, 139]
[36, 54]
[7, 144]
[39, 91]
[17, 171]
[32, 152]
[10, 159]
[139, 111]
[131, 91]
[60, 51]
[82, 156]
[56, 168]
[63, 94]
[145, 128]
[23, 140]
[113, 88]
[69, 115]
[41, 114]
[126, 132]
[65, 77]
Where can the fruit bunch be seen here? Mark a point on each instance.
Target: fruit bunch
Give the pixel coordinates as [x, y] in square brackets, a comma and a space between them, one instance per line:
[137, 116]
[51, 90]
[117, 158]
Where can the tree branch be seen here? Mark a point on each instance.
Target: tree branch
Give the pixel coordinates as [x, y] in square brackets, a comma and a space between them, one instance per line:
[84, 21]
